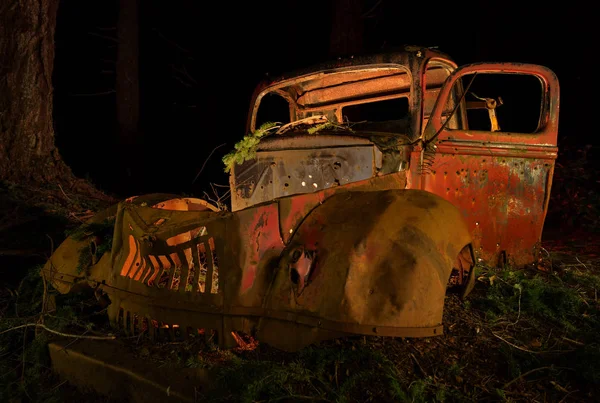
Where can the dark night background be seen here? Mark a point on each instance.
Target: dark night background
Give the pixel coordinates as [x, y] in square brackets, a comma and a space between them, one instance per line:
[523, 335]
[200, 61]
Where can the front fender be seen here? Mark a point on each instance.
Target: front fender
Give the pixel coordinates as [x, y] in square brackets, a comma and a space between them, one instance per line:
[375, 263]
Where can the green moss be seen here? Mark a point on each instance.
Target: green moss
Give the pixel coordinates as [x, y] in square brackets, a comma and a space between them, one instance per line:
[245, 149]
[87, 230]
[318, 128]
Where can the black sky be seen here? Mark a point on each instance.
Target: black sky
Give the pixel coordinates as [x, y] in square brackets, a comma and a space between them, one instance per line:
[200, 62]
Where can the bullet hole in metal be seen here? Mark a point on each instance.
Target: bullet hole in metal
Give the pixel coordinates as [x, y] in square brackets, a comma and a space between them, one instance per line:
[296, 255]
[294, 276]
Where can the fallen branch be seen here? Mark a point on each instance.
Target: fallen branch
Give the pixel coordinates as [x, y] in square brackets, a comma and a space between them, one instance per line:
[567, 395]
[59, 333]
[515, 346]
[418, 364]
[530, 351]
[63, 192]
[558, 387]
[580, 262]
[506, 385]
[573, 341]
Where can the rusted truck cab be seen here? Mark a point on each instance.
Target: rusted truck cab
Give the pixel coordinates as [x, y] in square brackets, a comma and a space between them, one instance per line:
[370, 191]
[389, 122]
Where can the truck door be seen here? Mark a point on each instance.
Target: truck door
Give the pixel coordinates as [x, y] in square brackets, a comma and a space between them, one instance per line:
[499, 177]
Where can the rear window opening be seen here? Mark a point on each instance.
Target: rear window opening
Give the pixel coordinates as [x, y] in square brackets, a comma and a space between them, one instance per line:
[389, 116]
[379, 111]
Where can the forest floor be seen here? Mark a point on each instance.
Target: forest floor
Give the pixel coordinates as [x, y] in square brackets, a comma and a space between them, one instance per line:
[522, 335]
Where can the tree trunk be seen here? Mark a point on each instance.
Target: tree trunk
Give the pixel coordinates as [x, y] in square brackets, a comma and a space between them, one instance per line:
[347, 28]
[28, 155]
[127, 78]
[27, 150]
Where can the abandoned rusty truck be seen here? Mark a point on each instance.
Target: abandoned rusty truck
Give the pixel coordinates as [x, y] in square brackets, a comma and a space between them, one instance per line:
[371, 191]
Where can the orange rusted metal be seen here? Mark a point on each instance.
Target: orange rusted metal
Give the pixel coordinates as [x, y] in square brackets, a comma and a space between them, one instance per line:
[500, 181]
[338, 225]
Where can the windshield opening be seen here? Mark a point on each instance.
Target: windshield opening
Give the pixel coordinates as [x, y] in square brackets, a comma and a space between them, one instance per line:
[373, 94]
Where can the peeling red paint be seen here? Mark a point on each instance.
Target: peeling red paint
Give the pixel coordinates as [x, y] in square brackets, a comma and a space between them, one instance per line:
[263, 232]
[500, 181]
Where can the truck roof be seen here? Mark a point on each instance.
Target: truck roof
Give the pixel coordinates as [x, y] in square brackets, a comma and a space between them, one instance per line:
[397, 56]
[351, 79]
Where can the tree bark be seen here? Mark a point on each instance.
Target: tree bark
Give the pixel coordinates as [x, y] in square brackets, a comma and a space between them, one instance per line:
[27, 150]
[28, 155]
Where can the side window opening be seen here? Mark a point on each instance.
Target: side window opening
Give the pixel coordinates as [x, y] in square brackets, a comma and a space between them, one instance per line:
[273, 108]
[514, 99]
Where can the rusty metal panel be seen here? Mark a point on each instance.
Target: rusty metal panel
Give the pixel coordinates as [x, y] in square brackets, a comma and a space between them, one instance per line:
[279, 173]
[500, 181]
[293, 210]
[301, 164]
[503, 198]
